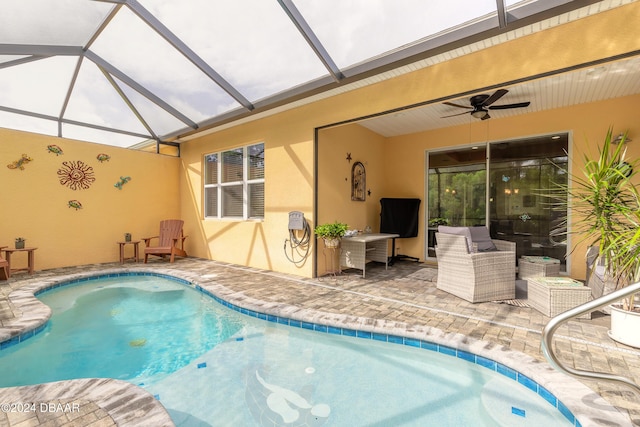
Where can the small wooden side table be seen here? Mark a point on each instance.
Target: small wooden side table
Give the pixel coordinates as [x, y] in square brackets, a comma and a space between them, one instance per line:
[30, 259]
[135, 244]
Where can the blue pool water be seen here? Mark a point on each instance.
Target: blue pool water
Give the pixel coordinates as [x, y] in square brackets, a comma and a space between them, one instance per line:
[213, 366]
[141, 327]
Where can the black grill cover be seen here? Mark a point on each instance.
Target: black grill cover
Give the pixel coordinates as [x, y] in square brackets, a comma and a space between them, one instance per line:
[399, 216]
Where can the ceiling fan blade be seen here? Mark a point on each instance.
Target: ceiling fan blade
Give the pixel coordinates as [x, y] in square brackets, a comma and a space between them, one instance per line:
[457, 105]
[453, 115]
[494, 97]
[504, 107]
[486, 117]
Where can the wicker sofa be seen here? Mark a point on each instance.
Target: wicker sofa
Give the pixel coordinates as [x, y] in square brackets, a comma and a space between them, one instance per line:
[473, 275]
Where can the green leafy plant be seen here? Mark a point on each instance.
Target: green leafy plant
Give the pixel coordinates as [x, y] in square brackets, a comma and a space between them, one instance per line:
[605, 205]
[20, 239]
[333, 230]
[434, 222]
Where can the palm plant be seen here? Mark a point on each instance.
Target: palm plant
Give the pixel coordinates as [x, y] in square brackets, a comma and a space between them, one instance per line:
[605, 203]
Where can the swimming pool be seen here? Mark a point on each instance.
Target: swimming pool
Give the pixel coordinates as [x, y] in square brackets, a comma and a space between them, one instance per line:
[254, 370]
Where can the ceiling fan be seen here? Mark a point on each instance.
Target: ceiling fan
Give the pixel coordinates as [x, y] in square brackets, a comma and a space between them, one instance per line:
[481, 104]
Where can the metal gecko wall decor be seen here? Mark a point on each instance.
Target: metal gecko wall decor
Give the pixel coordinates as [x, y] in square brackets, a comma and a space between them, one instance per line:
[76, 175]
[19, 164]
[123, 180]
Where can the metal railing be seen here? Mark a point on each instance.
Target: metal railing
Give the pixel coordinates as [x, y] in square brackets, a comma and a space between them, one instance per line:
[554, 323]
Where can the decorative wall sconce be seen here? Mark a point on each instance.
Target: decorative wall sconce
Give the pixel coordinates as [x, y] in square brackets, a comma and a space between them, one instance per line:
[358, 182]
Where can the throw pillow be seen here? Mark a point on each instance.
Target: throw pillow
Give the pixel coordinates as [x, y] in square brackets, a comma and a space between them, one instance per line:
[480, 235]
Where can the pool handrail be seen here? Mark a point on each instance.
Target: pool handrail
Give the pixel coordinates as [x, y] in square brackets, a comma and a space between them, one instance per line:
[555, 322]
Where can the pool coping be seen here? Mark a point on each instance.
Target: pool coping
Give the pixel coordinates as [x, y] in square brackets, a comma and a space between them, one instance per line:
[588, 408]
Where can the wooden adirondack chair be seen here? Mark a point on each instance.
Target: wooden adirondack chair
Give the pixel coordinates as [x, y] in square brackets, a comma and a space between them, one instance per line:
[4, 268]
[170, 237]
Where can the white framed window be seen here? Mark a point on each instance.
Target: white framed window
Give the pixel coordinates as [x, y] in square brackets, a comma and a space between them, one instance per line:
[234, 183]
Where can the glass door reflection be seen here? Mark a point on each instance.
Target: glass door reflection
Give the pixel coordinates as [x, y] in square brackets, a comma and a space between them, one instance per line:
[522, 174]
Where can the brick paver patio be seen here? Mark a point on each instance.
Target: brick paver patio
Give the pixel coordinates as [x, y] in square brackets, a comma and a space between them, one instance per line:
[402, 300]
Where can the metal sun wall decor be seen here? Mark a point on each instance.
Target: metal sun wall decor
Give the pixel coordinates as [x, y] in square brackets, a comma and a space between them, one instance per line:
[358, 182]
[19, 164]
[76, 175]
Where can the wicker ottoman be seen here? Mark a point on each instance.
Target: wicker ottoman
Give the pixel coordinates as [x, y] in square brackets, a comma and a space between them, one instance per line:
[538, 266]
[554, 295]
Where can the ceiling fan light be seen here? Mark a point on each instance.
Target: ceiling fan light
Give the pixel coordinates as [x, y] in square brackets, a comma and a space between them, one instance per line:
[478, 114]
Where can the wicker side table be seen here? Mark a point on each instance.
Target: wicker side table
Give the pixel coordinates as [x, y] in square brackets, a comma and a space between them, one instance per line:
[538, 266]
[554, 295]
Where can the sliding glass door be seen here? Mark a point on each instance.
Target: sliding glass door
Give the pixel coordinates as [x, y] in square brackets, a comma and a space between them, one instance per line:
[457, 189]
[518, 175]
[522, 174]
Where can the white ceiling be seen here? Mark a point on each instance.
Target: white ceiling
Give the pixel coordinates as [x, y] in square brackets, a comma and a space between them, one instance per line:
[590, 84]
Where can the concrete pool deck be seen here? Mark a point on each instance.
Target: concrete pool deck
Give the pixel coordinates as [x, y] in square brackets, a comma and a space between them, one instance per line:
[402, 300]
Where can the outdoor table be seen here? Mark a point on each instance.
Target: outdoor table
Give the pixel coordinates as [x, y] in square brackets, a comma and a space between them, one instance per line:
[538, 266]
[554, 295]
[135, 244]
[30, 259]
[359, 249]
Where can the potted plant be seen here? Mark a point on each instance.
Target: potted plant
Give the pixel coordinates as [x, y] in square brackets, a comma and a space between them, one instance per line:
[434, 222]
[605, 205]
[331, 233]
[20, 242]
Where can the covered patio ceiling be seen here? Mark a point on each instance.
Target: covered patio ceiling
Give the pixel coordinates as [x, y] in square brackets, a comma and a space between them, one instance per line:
[132, 73]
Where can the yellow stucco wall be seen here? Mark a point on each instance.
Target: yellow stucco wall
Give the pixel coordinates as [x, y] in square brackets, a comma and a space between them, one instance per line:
[334, 180]
[289, 138]
[35, 204]
[288, 186]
